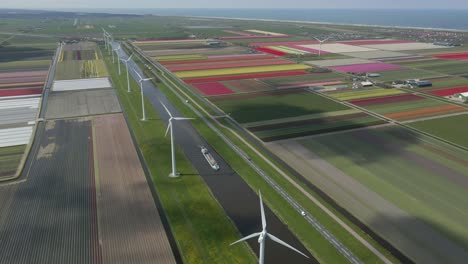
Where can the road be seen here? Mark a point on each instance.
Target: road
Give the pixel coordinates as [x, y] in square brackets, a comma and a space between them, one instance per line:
[226, 184]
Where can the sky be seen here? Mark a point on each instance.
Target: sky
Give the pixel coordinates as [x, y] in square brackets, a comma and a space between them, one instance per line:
[51, 4]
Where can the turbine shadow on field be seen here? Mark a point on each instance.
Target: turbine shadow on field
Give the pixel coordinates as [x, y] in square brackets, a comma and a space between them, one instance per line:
[245, 113]
[422, 240]
[366, 146]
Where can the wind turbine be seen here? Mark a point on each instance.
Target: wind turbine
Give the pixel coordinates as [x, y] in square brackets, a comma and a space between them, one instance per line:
[321, 42]
[126, 66]
[262, 236]
[170, 127]
[142, 95]
[105, 38]
[118, 57]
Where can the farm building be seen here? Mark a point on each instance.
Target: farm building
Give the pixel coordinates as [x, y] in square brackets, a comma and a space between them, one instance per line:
[366, 84]
[423, 83]
[373, 75]
[462, 96]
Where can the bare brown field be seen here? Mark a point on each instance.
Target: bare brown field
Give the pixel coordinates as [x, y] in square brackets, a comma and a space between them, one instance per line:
[130, 226]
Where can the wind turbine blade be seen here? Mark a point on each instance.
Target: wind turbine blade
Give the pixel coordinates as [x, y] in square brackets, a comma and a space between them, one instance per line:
[246, 238]
[139, 76]
[326, 39]
[147, 79]
[167, 110]
[317, 39]
[279, 241]
[130, 57]
[168, 127]
[183, 118]
[262, 211]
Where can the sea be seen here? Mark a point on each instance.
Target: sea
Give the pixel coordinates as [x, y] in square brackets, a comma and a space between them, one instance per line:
[423, 18]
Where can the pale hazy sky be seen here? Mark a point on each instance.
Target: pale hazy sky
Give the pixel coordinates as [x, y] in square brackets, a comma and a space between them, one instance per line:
[48, 4]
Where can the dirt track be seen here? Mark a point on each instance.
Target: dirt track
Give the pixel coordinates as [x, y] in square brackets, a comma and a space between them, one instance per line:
[129, 223]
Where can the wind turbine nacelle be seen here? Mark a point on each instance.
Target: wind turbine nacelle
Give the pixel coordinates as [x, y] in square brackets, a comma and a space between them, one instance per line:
[261, 237]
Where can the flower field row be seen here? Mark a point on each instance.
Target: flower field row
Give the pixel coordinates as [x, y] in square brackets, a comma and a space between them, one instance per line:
[179, 57]
[244, 70]
[272, 51]
[228, 65]
[20, 92]
[449, 91]
[253, 37]
[223, 64]
[66, 55]
[20, 83]
[78, 69]
[366, 67]
[245, 76]
[212, 88]
[363, 94]
[426, 112]
[245, 86]
[386, 100]
[453, 56]
[220, 59]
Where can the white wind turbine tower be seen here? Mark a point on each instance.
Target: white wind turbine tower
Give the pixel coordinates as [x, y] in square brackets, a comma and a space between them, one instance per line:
[116, 50]
[262, 236]
[141, 80]
[109, 43]
[126, 66]
[171, 127]
[105, 38]
[321, 42]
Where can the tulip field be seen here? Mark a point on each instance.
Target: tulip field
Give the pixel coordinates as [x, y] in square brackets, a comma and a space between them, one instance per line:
[23, 72]
[397, 104]
[269, 94]
[80, 61]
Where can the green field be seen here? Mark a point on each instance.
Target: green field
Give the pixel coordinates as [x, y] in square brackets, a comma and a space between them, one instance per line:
[440, 65]
[187, 201]
[448, 82]
[453, 129]
[10, 158]
[278, 106]
[423, 176]
[384, 109]
[321, 126]
[405, 74]
[280, 81]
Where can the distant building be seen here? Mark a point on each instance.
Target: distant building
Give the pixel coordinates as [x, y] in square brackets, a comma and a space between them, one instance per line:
[373, 75]
[462, 96]
[366, 84]
[423, 83]
[214, 43]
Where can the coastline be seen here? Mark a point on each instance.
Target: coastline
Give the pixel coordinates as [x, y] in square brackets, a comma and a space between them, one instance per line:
[321, 23]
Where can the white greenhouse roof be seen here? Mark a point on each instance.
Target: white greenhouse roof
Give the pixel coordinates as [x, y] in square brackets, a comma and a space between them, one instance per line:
[81, 84]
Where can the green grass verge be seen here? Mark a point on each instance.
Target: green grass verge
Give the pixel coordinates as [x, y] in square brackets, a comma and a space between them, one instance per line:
[314, 242]
[198, 222]
[10, 158]
[451, 128]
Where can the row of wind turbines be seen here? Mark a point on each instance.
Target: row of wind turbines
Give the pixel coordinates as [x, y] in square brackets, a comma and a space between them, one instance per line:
[108, 39]
[263, 235]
